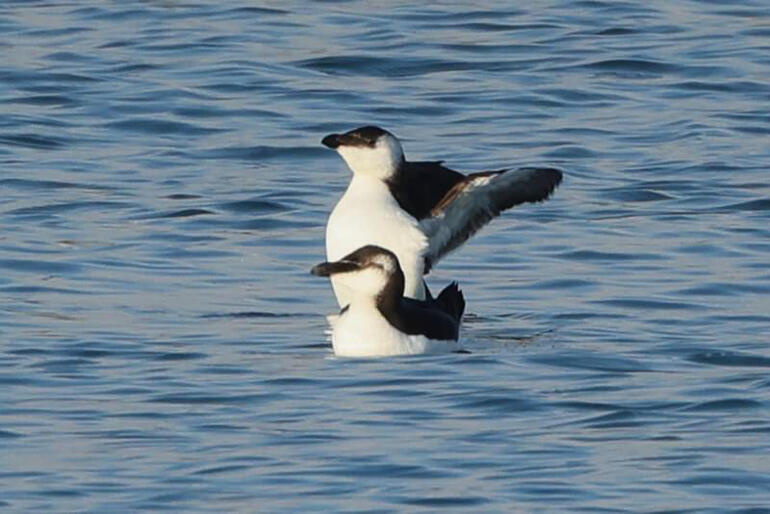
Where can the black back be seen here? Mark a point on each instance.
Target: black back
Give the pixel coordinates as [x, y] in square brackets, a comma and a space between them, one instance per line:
[419, 186]
[435, 319]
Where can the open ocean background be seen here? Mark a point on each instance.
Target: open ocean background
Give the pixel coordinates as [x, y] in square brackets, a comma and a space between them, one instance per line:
[163, 195]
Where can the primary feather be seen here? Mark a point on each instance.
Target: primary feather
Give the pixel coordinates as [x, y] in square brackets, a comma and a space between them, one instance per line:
[473, 202]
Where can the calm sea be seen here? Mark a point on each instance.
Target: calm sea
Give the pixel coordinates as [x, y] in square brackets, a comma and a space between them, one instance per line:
[163, 195]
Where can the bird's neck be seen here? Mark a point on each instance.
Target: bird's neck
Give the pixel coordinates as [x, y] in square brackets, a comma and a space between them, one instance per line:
[377, 166]
[366, 186]
[390, 296]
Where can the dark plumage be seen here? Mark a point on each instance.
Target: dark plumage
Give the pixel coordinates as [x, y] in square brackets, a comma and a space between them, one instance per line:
[419, 186]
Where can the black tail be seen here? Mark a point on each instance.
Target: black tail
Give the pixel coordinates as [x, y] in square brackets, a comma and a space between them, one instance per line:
[451, 301]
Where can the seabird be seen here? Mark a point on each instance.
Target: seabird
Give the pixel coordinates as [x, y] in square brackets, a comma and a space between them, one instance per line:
[378, 320]
[420, 211]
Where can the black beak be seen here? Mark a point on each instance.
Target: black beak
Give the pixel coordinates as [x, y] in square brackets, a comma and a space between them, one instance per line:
[331, 141]
[326, 269]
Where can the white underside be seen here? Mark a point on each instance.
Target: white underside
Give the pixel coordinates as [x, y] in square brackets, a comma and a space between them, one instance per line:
[368, 214]
[363, 332]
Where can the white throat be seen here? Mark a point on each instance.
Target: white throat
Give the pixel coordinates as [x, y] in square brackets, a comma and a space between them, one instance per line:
[365, 284]
[382, 161]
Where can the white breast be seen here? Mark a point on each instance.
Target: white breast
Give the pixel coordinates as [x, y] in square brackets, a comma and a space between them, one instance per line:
[363, 332]
[368, 214]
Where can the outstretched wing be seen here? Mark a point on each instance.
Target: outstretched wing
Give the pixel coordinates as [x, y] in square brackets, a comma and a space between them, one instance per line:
[474, 201]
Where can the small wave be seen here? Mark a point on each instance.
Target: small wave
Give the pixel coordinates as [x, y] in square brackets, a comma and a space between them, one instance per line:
[182, 196]
[632, 65]
[46, 100]
[635, 195]
[217, 112]
[381, 66]
[7, 434]
[752, 130]
[621, 418]
[20, 183]
[59, 208]
[255, 206]
[238, 11]
[185, 213]
[723, 86]
[616, 31]
[201, 399]
[41, 290]
[261, 153]
[37, 266]
[594, 255]
[179, 356]
[726, 404]
[153, 126]
[751, 205]
[498, 404]
[730, 359]
[591, 361]
[35, 141]
[133, 68]
[647, 304]
[571, 152]
[252, 314]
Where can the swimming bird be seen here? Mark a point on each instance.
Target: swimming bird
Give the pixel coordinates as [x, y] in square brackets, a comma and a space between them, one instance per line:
[420, 211]
[378, 320]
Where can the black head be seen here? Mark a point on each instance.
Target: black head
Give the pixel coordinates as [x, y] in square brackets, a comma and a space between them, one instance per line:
[365, 257]
[361, 137]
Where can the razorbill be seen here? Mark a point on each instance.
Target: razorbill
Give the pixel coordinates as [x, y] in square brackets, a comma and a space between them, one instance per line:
[419, 210]
[378, 320]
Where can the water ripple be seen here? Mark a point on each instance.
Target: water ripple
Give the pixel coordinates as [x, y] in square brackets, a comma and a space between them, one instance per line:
[151, 126]
[35, 141]
[722, 358]
[164, 194]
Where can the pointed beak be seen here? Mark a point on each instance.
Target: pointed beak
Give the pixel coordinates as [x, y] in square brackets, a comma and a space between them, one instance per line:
[326, 269]
[332, 141]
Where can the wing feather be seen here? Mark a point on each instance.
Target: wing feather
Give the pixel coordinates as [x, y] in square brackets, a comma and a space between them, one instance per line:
[473, 202]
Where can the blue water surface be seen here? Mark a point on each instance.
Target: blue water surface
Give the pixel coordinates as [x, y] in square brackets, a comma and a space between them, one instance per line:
[163, 195]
